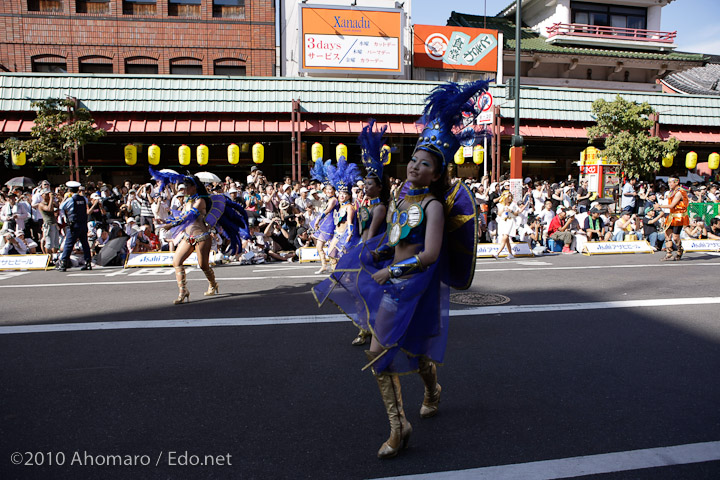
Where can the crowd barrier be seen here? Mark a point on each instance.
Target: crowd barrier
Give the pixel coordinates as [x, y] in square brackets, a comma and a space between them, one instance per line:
[24, 262]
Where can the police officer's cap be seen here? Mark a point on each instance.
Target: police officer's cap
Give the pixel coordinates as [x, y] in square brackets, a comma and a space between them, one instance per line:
[72, 184]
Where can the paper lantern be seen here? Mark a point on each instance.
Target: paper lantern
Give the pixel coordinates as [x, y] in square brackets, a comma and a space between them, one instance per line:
[153, 154]
[316, 152]
[130, 154]
[714, 161]
[245, 148]
[691, 160]
[459, 156]
[667, 161]
[258, 153]
[341, 151]
[202, 154]
[387, 149]
[18, 158]
[184, 155]
[478, 154]
[233, 154]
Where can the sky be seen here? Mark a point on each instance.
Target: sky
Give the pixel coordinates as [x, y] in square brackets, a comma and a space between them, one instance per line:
[696, 21]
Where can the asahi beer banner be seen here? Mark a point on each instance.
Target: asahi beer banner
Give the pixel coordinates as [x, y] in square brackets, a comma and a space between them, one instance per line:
[309, 254]
[156, 259]
[337, 39]
[24, 262]
[490, 249]
[598, 248]
[455, 48]
[691, 245]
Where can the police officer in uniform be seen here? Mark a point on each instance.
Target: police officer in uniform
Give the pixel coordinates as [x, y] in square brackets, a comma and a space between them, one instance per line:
[75, 208]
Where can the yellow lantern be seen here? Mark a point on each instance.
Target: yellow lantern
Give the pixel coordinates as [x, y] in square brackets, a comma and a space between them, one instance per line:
[202, 154]
[184, 155]
[691, 160]
[387, 149]
[245, 148]
[714, 161]
[316, 152]
[18, 159]
[130, 154]
[340, 151]
[459, 156]
[478, 154]
[153, 154]
[258, 153]
[667, 161]
[233, 154]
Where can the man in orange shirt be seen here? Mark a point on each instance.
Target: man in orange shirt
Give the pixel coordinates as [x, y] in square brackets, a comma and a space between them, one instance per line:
[677, 219]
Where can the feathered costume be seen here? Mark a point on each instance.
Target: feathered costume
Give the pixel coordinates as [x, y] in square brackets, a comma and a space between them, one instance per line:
[374, 158]
[408, 315]
[343, 176]
[228, 218]
[326, 223]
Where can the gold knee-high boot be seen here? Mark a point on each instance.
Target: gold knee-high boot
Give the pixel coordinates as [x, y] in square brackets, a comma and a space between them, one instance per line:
[182, 285]
[428, 372]
[213, 289]
[400, 428]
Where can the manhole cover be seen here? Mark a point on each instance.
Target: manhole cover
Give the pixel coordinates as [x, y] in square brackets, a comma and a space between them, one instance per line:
[471, 298]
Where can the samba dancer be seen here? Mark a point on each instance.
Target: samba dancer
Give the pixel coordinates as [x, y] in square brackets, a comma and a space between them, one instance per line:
[400, 290]
[191, 228]
[677, 219]
[345, 236]
[325, 225]
[371, 215]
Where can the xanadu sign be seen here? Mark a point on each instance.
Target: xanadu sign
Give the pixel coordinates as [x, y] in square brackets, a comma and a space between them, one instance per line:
[455, 48]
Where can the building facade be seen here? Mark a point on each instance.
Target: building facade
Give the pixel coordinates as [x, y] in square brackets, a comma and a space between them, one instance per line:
[187, 37]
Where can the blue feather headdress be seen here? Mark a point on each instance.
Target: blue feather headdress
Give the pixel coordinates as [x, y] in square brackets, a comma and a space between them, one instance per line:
[373, 155]
[443, 113]
[169, 177]
[319, 171]
[343, 175]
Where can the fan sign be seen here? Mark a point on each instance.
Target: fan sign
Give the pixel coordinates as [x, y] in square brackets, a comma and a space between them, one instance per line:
[436, 45]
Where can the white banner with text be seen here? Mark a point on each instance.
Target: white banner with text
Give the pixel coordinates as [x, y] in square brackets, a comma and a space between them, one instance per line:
[156, 259]
[24, 262]
[600, 248]
[692, 245]
[490, 249]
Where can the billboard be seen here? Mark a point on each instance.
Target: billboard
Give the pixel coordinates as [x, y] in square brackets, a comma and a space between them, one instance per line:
[342, 39]
[455, 48]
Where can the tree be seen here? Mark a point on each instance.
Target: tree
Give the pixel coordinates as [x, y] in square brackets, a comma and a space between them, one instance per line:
[59, 128]
[625, 128]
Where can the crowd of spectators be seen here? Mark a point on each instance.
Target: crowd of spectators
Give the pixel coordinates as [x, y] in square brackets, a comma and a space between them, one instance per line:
[282, 215]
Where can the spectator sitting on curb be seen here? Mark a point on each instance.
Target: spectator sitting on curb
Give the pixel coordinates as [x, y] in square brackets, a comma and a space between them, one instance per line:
[652, 226]
[623, 226]
[558, 230]
[595, 228]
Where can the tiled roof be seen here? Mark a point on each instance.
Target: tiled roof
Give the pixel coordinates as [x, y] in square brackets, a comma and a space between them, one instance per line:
[245, 95]
[532, 41]
[697, 81]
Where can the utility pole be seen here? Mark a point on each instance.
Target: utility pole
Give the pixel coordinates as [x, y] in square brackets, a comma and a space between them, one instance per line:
[517, 141]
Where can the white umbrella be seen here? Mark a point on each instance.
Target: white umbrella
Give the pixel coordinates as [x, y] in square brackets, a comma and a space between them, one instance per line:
[207, 177]
[168, 170]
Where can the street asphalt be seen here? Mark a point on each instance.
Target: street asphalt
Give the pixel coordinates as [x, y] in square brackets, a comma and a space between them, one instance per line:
[286, 400]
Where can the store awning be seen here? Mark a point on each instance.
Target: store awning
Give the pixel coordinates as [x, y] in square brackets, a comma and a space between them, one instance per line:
[691, 135]
[546, 131]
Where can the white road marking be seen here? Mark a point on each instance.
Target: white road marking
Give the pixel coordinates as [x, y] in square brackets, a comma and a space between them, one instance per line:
[290, 320]
[600, 267]
[583, 466]
[7, 275]
[140, 282]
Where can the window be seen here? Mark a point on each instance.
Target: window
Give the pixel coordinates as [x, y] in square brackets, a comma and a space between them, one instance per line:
[229, 66]
[229, 8]
[45, 6]
[141, 66]
[186, 66]
[587, 13]
[96, 64]
[139, 7]
[49, 64]
[92, 6]
[184, 8]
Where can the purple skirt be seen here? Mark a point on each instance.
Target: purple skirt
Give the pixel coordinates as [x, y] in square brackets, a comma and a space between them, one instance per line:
[326, 228]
